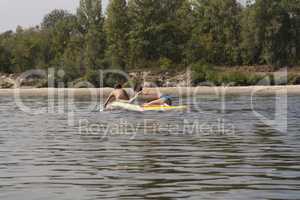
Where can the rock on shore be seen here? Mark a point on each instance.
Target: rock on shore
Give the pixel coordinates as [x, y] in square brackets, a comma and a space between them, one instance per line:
[11, 81]
[174, 91]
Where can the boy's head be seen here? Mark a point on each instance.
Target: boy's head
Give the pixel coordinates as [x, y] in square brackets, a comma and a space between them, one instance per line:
[169, 101]
[138, 87]
[118, 86]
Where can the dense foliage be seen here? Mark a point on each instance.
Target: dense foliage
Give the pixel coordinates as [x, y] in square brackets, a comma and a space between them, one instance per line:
[156, 34]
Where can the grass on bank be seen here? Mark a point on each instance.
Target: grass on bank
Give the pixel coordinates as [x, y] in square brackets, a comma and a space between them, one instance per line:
[206, 74]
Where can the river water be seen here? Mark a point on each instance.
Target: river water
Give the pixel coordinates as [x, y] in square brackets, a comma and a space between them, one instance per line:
[214, 151]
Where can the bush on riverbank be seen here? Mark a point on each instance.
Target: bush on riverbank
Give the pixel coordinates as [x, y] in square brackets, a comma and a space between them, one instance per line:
[294, 79]
[204, 73]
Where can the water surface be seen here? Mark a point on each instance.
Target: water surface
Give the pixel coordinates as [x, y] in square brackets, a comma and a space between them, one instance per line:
[206, 153]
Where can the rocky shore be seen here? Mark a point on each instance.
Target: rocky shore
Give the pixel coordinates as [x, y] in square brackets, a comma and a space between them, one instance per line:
[174, 91]
[175, 84]
[11, 81]
[7, 81]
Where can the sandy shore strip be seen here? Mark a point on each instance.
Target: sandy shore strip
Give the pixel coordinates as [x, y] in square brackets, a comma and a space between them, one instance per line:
[179, 91]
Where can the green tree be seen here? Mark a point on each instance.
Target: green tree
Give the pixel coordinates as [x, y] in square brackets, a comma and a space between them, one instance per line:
[5, 52]
[267, 33]
[57, 36]
[73, 58]
[155, 32]
[183, 22]
[51, 19]
[293, 9]
[27, 50]
[91, 23]
[90, 14]
[4, 60]
[216, 35]
[117, 27]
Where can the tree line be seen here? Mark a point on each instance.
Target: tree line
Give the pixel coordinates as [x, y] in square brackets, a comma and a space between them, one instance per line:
[153, 34]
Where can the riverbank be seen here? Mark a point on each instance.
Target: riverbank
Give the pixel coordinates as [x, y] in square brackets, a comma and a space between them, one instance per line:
[197, 75]
[178, 91]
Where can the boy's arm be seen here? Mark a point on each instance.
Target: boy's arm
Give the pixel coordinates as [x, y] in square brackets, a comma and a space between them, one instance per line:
[135, 97]
[108, 100]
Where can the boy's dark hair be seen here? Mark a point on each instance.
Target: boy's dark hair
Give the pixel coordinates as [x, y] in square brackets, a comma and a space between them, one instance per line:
[169, 102]
[118, 86]
[138, 87]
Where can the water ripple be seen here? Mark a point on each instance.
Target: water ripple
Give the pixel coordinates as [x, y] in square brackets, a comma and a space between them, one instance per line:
[44, 157]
